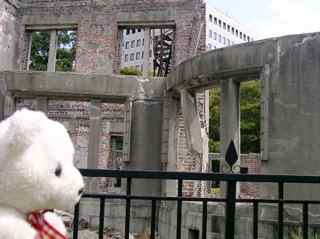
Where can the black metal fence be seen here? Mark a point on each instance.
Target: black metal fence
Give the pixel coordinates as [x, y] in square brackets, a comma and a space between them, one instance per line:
[230, 200]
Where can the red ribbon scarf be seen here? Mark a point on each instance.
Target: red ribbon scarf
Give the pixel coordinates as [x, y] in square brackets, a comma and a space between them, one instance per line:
[43, 228]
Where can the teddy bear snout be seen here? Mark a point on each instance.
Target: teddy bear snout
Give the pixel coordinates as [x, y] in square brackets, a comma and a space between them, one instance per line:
[80, 192]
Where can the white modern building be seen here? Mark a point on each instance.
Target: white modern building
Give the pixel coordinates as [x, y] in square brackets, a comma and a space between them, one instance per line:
[133, 47]
[224, 31]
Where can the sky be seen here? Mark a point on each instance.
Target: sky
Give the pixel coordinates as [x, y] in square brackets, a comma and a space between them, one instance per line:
[272, 18]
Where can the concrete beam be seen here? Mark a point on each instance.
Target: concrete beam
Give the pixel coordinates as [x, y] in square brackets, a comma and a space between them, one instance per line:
[191, 122]
[146, 60]
[82, 86]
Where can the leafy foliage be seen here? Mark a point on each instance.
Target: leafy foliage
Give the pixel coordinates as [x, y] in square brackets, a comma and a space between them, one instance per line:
[131, 71]
[66, 50]
[39, 51]
[250, 117]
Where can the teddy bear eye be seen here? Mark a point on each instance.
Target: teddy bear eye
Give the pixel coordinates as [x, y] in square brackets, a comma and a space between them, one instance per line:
[58, 170]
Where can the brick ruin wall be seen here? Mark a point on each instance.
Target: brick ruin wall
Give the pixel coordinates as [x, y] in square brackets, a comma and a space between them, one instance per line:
[8, 33]
[98, 51]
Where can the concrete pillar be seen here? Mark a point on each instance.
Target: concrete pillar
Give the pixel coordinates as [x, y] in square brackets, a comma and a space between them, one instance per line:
[229, 122]
[146, 59]
[52, 51]
[146, 144]
[42, 104]
[94, 134]
[229, 115]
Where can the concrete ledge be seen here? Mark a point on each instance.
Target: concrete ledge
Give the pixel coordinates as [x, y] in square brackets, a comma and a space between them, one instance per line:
[74, 85]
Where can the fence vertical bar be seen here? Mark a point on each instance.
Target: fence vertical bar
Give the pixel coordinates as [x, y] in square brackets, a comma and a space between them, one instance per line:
[101, 217]
[179, 208]
[305, 220]
[76, 221]
[153, 219]
[255, 220]
[128, 207]
[204, 219]
[230, 209]
[280, 210]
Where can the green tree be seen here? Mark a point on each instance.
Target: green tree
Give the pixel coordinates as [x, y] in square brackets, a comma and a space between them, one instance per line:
[39, 51]
[66, 50]
[250, 94]
[214, 120]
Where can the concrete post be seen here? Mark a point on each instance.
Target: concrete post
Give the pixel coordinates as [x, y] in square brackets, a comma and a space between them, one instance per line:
[229, 122]
[146, 144]
[52, 51]
[94, 134]
[42, 104]
[229, 115]
[146, 59]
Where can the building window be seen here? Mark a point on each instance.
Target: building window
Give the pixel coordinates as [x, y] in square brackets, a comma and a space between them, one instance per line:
[209, 46]
[143, 42]
[210, 18]
[248, 38]
[215, 36]
[220, 23]
[224, 40]
[139, 29]
[138, 56]
[64, 51]
[228, 28]
[142, 54]
[237, 33]
[228, 42]
[224, 26]
[133, 31]
[127, 45]
[232, 31]
[128, 31]
[210, 33]
[132, 57]
[219, 39]
[244, 37]
[215, 21]
[133, 43]
[138, 42]
[240, 35]
[126, 57]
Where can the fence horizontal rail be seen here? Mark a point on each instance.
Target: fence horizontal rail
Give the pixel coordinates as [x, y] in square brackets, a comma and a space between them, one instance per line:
[230, 200]
[99, 173]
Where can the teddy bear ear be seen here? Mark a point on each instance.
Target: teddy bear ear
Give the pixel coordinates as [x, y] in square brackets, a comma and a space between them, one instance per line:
[24, 126]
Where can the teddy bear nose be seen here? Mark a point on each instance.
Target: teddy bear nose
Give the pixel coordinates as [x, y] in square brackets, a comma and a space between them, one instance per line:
[80, 191]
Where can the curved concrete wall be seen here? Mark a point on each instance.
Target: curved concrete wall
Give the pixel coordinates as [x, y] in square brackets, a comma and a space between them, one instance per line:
[289, 70]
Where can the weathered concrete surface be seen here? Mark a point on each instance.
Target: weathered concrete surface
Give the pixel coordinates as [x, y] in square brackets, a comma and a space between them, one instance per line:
[289, 68]
[146, 144]
[268, 220]
[76, 85]
[8, 34]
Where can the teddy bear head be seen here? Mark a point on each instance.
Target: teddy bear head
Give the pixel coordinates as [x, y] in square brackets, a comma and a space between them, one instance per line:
[36, 164]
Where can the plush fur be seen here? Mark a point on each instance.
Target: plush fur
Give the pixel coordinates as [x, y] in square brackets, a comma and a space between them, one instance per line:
[36, 172]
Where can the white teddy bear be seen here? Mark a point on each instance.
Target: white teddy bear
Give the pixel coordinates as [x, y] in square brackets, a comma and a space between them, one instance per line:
[36, 174]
